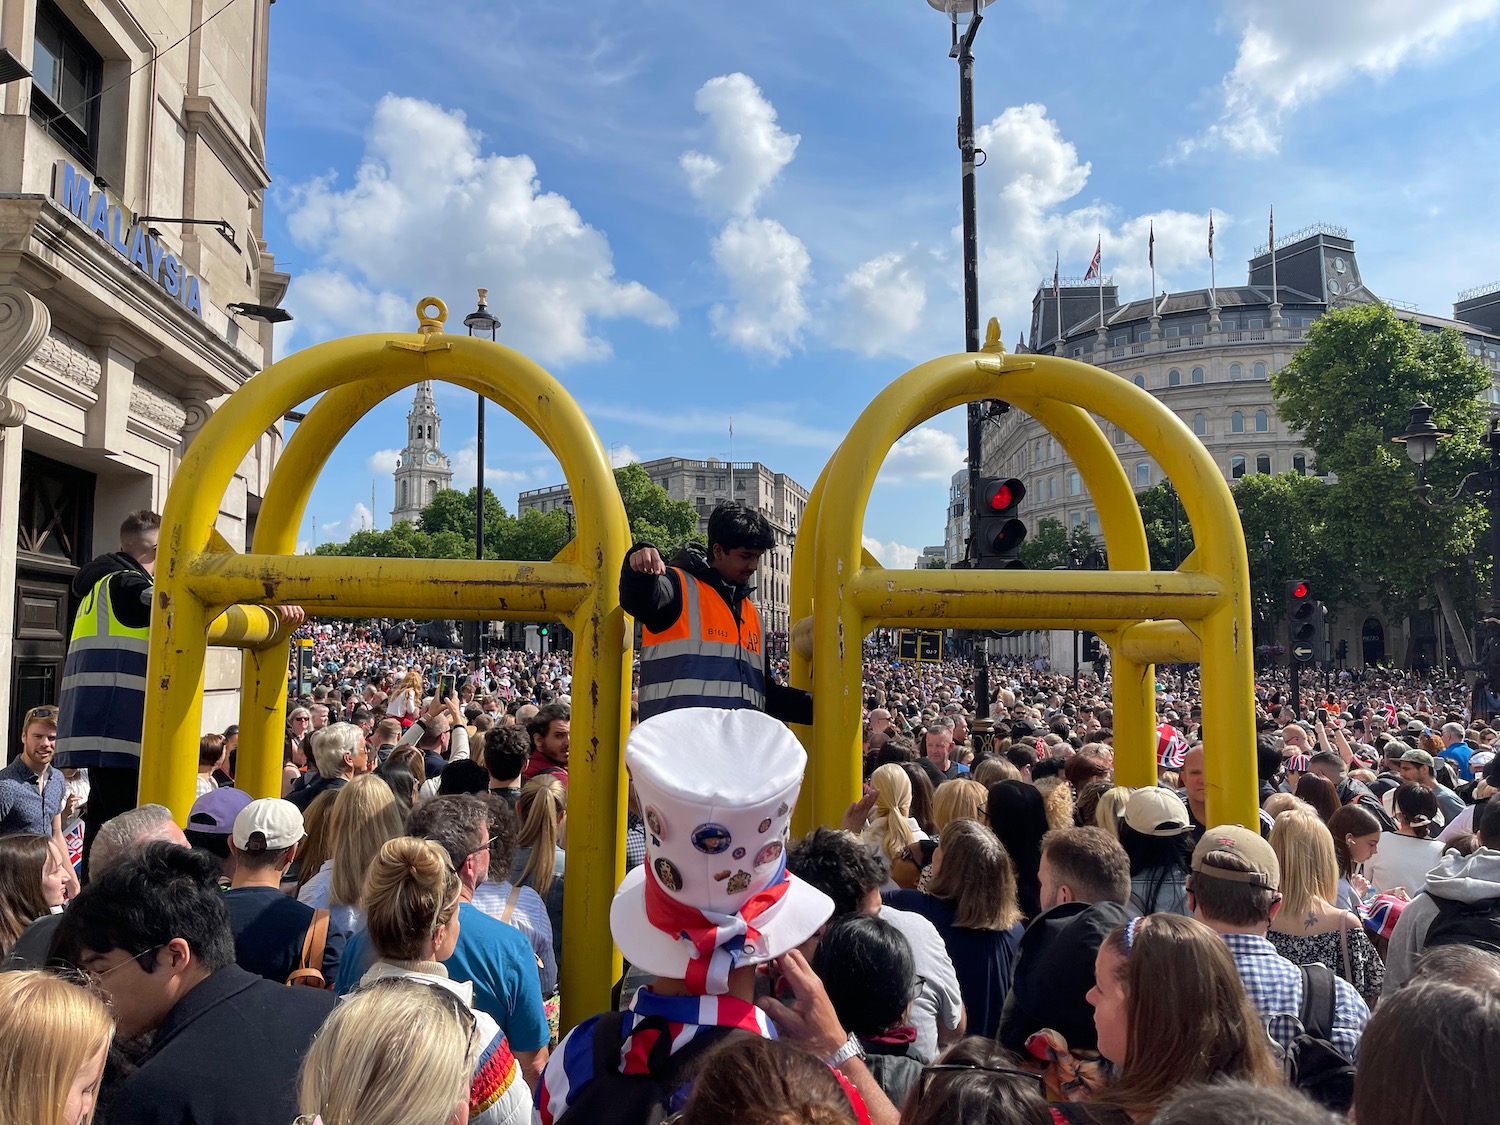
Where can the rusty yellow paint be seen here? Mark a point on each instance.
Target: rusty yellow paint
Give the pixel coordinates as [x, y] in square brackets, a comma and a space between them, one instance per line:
[198, 577]
[1200, 611]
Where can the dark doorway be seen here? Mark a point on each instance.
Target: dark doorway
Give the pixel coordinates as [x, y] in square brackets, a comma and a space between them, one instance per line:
[1372, 637]
[55, 539]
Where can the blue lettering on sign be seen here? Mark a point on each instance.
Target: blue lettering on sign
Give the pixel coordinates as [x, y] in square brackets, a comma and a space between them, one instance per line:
[73, 191]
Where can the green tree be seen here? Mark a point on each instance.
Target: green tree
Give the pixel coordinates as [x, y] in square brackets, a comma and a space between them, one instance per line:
[1293, 511]
[1050, 546]
[1349, 389]
[404, 541]
[654, 516]
[453, 511]
[533, 536]
[1166, 540]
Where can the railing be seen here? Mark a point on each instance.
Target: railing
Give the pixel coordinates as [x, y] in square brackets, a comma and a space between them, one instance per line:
[1480, 291]
[1305, 232]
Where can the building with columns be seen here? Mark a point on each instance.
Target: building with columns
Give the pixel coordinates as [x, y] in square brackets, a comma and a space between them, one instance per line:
[423, 469]
[132, 185]
[706, 484]
[1207, 354]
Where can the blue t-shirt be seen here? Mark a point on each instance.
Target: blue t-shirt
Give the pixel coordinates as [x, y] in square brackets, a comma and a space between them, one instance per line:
[496, 958]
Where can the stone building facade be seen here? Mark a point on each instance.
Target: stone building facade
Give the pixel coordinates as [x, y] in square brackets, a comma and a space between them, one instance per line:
[116, 336]
[1207, 354]
[423, 469]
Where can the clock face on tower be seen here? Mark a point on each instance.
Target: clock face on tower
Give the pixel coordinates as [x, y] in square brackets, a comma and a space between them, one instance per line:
[432, 458]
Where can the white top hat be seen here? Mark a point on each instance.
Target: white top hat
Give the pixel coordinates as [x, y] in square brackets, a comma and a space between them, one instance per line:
[716, 789]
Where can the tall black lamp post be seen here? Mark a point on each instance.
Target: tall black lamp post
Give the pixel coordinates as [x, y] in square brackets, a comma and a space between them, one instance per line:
[480, 320]
[964, 18]
[1421, 438]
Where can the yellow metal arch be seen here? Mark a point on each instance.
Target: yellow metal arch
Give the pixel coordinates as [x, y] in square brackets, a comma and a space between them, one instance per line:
[1200, 610]
[198, 576]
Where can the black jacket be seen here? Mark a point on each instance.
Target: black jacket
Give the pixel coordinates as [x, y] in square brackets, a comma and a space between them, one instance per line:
[129, 587]
[1054, 972]
[655, 600]
[227, 1054]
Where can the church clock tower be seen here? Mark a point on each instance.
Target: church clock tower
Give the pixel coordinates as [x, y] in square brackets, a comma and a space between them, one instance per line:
[423, 469]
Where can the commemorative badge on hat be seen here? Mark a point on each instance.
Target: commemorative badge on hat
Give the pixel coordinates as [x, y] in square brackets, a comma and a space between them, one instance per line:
[716, 789]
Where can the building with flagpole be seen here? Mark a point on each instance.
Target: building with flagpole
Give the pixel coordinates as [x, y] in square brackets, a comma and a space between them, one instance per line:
[1208, 354]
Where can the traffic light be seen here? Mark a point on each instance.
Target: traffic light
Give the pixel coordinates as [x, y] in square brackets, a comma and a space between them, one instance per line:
[1092, 649]
[1000, 532]
[1304, 615]
[543, 630]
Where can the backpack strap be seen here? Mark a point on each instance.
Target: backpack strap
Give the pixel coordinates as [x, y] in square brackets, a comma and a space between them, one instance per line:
[1318, 1000]
[310, 965]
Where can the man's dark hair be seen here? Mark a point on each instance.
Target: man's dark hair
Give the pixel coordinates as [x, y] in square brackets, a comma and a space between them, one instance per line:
[838, 864]
[504, 831]
[1022, 757]
[1489, 825]
[135, 525]
[736, 525]
[1226, 900]
[260, 859]
[542, 721]
[453, 822]
[1047, 767]
[505, 751]
[867, 967]
[361, 715]
[1090, 861]
[1331, 764]
[1267, 758]
[149, 896]
[463, 776]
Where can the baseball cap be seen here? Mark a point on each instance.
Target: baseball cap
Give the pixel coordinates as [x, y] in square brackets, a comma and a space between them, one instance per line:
[268, 824]
[1420, 757]
[214, 812]
[1416, 726]
[1155, 811]
[1245, 843]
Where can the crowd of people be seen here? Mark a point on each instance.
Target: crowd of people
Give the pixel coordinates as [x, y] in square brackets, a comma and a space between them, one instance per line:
[996, 934]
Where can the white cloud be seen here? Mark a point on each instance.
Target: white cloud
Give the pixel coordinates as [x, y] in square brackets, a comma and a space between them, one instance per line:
[766, 267]
[926, 453]
[881, 302]
[622, 455]
[360, 519]
[429, 211]
[382, 462]
[1292, 53]
[764, 427]
[497, 479]
[892, 556]
[751, 149]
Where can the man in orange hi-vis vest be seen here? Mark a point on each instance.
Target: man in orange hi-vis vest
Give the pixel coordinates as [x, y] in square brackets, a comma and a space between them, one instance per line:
[701, 642]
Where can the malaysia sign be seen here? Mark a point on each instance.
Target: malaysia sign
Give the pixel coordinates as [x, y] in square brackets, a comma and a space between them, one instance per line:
[74, 192]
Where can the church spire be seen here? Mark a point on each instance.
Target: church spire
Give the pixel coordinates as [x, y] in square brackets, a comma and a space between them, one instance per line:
[422, 470]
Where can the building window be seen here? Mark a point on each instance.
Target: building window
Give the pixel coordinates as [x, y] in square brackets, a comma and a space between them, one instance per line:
[1262, 422]
[1172, 330]
[702, 481]
[1263, 463]
[1051, 449]
[1036, 451]
[1051, 488]
[701, 503]
[1236, 467]
[1140, 381]
[1143, 474]
[1197, 374]
[1200, 424]
[406, 495]
[1118, 434]
[1174, 378]
[431, 490]
[1236, 372]
[1075, 520]
[1255, 322]
[1236, 423]
[1075, 484]
[1299, 464]
[67, 75]
[739, 485]
[718, 482]
[1259, 371]
[1093, 519]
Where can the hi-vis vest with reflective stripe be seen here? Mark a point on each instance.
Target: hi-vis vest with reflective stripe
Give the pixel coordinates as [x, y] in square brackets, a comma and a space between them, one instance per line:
[705, 658]
[103, 700]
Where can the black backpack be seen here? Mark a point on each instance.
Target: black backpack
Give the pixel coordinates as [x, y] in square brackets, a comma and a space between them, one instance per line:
[1465, 923]
[639, 1099]
[1319, 1069]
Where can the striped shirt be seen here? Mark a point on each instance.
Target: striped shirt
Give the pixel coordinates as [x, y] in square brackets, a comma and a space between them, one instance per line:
[571, 1066]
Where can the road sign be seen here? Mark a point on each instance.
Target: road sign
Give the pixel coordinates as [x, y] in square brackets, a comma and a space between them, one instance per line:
[1302, 652]
[920, 645]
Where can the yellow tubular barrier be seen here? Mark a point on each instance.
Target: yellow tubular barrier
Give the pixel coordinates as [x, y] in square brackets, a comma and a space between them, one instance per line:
[197, 577]
[1201, 608]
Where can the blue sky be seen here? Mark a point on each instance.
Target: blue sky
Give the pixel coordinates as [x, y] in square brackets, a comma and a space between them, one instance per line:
[692, 212]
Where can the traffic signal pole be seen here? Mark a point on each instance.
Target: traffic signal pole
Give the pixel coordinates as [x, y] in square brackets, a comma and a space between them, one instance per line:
[963, 51]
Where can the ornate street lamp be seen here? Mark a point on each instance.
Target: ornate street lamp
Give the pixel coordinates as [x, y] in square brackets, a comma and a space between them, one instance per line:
[480, 320]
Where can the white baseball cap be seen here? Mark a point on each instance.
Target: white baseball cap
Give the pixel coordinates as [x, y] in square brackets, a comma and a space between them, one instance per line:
[268, 824]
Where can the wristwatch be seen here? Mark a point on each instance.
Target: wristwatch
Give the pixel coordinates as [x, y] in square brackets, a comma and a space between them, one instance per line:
[849, 1050]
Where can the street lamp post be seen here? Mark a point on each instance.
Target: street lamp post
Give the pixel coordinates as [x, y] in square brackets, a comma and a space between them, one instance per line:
[964, 18]
[1421, 438]
[480, 320]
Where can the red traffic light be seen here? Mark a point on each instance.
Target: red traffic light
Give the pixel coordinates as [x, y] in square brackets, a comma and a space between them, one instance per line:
[1299, 590]
[1000, 496]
